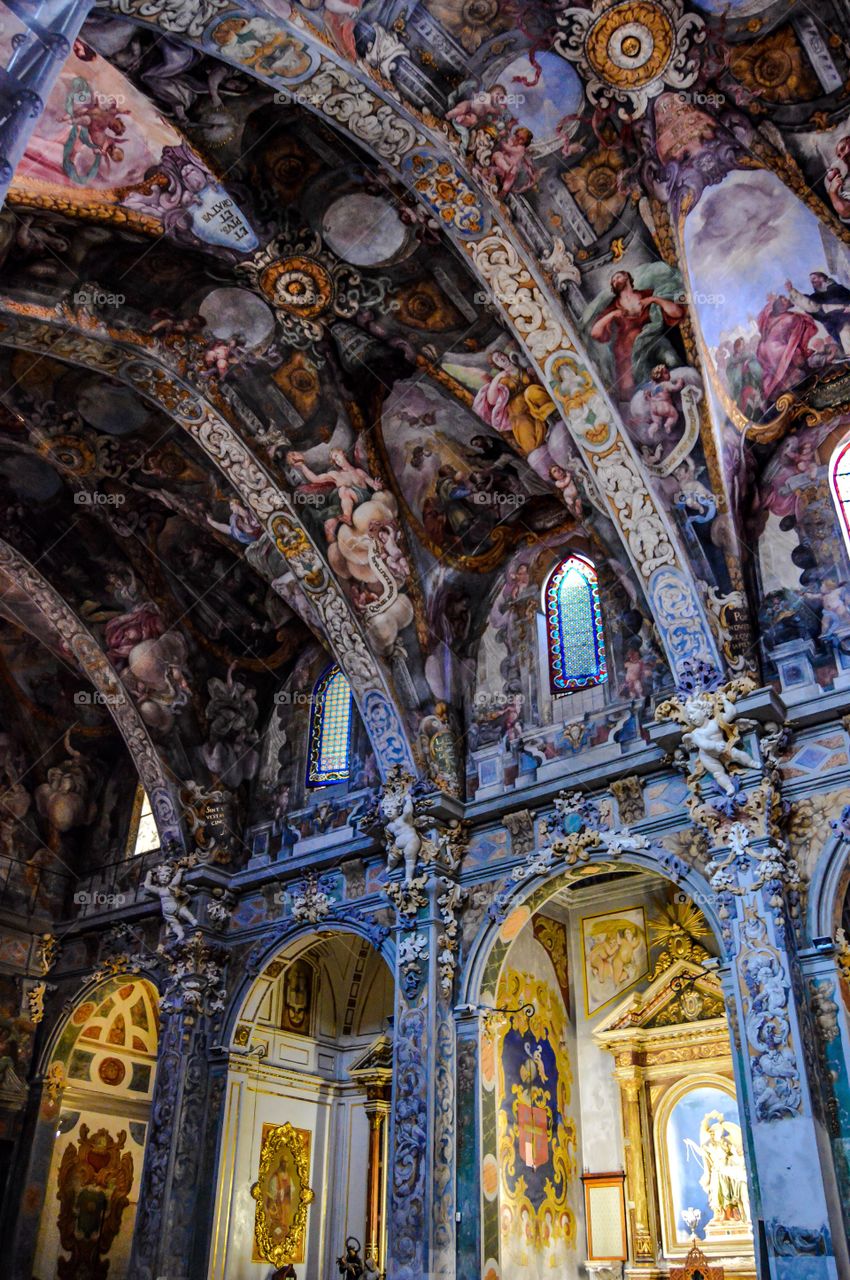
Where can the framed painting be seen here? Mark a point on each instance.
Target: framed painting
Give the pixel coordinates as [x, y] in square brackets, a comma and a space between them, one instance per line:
[283, 1194]
[615, 955]
[701, 1167]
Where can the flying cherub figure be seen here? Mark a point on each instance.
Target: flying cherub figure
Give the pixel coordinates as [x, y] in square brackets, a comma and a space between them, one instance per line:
[708, 733]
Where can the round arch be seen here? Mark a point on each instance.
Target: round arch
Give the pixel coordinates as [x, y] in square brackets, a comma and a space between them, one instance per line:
[281, 947]
[828, 888]
[530, 895]
[93, 992]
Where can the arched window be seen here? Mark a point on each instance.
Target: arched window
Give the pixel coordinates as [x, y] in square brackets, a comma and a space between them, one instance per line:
[142, 835]
[330, 729]
[574, 639]
[839, 482]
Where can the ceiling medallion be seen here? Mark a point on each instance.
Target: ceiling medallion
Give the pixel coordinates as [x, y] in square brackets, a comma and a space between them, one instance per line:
[298, 285]
[627, 53]
[307, 286]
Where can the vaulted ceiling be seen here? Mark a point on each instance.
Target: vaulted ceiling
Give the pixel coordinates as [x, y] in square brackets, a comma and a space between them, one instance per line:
[317, 320]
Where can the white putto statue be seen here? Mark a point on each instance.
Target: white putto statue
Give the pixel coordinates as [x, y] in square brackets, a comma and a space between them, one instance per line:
[404, 842]
[708, 717]
[165, 882]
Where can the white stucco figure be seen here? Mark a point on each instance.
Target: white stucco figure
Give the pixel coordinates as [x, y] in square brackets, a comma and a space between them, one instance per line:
[164, 882]
[404, 841]
[709, 721]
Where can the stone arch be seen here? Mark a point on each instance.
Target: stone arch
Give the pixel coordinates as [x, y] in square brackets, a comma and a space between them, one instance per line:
[72, 632]
[294, 933]
[96, 1112]
[539, 889]
[131, 360]
[327, 1073]
[828, 888]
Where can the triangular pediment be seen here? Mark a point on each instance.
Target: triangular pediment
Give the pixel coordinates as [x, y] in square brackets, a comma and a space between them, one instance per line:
[683, 994]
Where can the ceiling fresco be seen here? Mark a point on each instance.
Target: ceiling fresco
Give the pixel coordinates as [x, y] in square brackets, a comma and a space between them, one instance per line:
[327, 329]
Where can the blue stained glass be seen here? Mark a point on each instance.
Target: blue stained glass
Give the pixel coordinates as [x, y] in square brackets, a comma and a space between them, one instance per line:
[574, 636]
[330, 729]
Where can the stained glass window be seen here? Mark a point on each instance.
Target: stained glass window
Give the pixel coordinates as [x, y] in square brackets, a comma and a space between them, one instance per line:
[330, 729]
[839, 479]
[574, 639]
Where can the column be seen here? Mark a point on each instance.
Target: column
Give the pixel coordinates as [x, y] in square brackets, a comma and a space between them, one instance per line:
[821, 969]
[468, 1146]
[378, 1111]
[172, 1233]
[36, 1150]
[644, 1243]
[425, 843]
[798, 1225]
[421, 1242]
[36, 58]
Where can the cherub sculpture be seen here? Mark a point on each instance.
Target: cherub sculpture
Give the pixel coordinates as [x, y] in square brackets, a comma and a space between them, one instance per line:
[165, 882]
[404, 841]
[708, 717]
[711, 736]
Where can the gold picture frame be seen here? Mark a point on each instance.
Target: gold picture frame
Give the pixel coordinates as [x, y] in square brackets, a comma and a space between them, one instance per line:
[285, 1156]
[605, 1216]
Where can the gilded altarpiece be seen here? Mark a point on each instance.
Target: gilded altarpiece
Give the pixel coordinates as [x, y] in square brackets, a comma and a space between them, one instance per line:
[681, 1128]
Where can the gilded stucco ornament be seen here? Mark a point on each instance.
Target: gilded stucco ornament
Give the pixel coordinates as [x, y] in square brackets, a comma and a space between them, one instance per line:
[281, 1141]
[628, 53]
[310, 902]
[450, 903]
[194, 986]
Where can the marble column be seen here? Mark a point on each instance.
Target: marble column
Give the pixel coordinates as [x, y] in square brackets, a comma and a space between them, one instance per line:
[378, 1112]
[799, 1231]
[32, 64]
[642, 1225]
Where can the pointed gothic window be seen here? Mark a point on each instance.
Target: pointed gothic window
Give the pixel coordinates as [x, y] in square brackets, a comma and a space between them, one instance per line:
[839, 482]
[574, 639]
[330, 729]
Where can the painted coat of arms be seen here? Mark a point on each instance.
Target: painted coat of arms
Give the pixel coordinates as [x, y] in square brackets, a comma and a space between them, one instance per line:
[536, 1136]
[95, 1178]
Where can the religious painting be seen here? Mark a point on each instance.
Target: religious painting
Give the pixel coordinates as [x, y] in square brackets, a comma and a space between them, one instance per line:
[283, 1194]
[94, 1184]
[772, 293]
[462, 484]
[297, 1003]
[615, 955]
[100, 142]
[536, 1137]
[632, 328]
[701, 1165]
